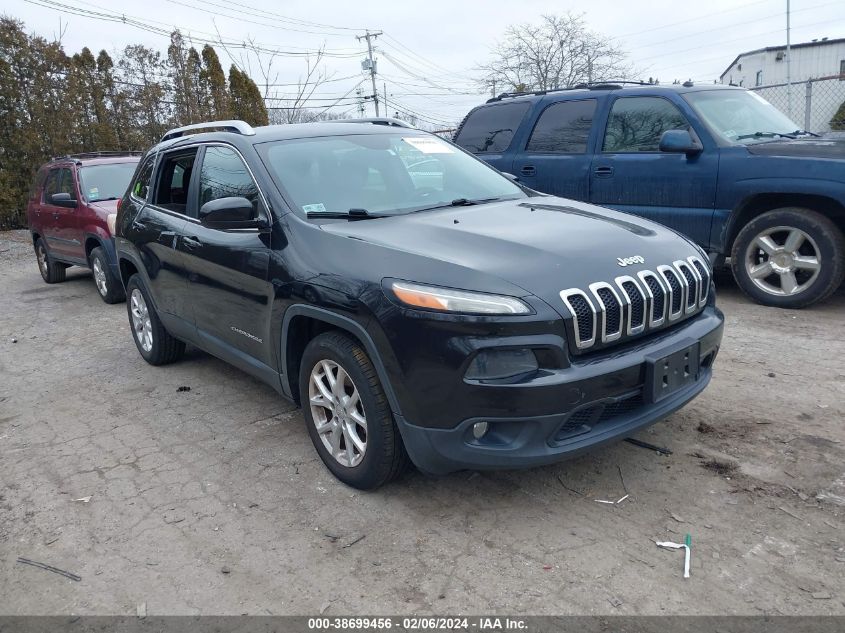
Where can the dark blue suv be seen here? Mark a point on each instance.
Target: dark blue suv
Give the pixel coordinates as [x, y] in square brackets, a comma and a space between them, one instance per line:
[717, 163]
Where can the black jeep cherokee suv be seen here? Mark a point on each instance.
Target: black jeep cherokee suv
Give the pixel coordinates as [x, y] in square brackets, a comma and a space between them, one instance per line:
[412, 299]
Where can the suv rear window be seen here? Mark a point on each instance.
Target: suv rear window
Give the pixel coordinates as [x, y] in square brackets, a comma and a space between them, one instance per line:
[563, 128]
[490, 129]
[141, 184]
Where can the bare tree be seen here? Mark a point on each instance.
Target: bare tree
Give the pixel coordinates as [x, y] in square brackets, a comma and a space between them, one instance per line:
[559, 52]
[293, 109]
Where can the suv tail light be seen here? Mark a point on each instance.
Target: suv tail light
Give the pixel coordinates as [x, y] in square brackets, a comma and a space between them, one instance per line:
[119, 202]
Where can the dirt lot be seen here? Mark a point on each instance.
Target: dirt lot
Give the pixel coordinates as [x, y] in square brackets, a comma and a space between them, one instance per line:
[212, 500]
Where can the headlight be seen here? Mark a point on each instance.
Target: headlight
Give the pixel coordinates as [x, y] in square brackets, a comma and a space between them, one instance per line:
[448, 300]
[111, 220]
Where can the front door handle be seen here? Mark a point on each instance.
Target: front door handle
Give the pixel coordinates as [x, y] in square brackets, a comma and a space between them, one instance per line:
[604, 171]
[55, 216]
[528, 170]
[191, 242]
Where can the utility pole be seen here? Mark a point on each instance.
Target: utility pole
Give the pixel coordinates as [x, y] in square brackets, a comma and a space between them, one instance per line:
[788, 63]
[384, 98]
[372, 65]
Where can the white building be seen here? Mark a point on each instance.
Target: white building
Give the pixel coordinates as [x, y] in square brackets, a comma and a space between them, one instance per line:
[767, 66]
[817, 73]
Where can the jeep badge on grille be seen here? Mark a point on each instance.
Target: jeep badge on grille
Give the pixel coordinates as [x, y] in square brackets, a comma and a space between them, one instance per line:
[627, 261]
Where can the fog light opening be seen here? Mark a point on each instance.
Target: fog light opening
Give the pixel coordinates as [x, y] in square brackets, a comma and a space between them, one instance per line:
[479, 429]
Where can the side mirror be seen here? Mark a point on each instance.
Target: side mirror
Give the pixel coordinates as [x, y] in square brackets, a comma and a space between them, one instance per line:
[63, 200]
[679, 142]
[233, 212]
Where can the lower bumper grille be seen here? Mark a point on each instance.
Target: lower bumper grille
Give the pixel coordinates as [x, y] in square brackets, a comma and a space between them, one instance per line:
[583, 420]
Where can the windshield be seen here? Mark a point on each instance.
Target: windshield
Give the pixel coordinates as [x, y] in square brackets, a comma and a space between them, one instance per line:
[106, 182]
[740, 116]
[381, 173]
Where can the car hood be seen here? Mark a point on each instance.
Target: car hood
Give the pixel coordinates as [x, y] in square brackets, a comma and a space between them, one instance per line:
[543, 244]
[824, 147]
[109, 206]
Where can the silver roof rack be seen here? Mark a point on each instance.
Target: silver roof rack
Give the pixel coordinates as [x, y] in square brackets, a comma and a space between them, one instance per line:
[239, 127]
[380, 120]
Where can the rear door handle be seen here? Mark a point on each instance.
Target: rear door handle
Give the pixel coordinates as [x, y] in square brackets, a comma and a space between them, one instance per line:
[191, 242]
[528, 170]
[603, 172]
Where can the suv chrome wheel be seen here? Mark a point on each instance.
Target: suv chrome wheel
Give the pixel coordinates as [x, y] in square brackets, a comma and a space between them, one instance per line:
[783, 261]
[141, 324]
[338, 412]
[100, 277]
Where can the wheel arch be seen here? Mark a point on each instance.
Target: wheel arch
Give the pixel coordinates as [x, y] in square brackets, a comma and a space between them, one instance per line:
[301, 323]
[758, 204]
[91, 242]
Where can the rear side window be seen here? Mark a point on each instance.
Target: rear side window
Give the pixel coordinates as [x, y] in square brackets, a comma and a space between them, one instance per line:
[141, 185]
[563, 128]
[490, 129]
[637, 123]
[38, 184]
[174, 180]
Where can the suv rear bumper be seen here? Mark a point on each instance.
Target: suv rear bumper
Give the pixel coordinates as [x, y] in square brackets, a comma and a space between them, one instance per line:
[536, 440]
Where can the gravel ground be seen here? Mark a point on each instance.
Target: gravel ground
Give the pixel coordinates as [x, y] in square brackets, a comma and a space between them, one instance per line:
[212, 500]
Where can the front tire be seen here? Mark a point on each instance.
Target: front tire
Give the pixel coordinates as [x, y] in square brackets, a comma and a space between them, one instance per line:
[51, 272]
[154, 343]
[789, 258]
[347, 413]
[108, 286]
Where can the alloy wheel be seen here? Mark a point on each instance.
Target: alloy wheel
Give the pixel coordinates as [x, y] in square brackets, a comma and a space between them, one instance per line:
[100, 277]
[783, 261]
[41, 256]
[338, 412]
[141, 323]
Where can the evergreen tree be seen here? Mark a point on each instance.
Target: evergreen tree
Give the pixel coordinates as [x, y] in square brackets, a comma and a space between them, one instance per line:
[246, 101]
[214, 81]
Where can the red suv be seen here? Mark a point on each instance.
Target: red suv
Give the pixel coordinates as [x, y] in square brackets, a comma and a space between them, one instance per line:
[71, 212]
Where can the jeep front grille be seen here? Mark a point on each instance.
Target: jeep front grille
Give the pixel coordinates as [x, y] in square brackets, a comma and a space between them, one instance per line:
[606, 312]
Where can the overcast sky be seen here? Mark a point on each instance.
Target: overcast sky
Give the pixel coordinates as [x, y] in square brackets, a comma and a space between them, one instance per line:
[429, 48]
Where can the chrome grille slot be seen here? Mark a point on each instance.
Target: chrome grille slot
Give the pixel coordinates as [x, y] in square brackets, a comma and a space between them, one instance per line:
[584, 313]
[691, 278]
[656, 297]
[635, 302]
[610, 311]
[704, 276]
[675, 295]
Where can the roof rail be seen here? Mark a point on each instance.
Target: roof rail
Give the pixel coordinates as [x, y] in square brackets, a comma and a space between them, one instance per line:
[102, 154]
[238, 127]
[379, 120]
[595, 85]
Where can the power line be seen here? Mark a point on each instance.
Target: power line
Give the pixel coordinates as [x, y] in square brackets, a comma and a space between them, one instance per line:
[242, 19]
[146, 26]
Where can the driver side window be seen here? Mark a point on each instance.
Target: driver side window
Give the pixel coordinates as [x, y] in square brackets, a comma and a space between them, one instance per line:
[224, 175]
[637, 123]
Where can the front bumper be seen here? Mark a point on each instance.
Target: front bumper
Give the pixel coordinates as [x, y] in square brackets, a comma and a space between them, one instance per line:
[606, 392]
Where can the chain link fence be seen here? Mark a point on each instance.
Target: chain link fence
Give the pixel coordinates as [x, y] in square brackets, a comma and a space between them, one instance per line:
[816, 105]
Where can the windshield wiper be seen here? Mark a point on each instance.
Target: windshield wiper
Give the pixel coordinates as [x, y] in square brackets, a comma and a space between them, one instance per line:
[800, 132]
[764, 134]
[459, 202]
[352, 214]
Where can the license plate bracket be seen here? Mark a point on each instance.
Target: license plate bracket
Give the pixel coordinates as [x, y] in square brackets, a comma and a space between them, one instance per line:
[670, 370]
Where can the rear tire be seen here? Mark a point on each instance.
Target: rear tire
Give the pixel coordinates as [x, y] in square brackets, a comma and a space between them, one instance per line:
[350, 424]
[52, 272]
[789, 258]
[108, 286]
[154, 343]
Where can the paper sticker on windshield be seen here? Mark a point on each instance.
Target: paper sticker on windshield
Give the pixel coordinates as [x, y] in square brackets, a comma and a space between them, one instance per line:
[314, 208]
[94, 193]
[428, 145]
